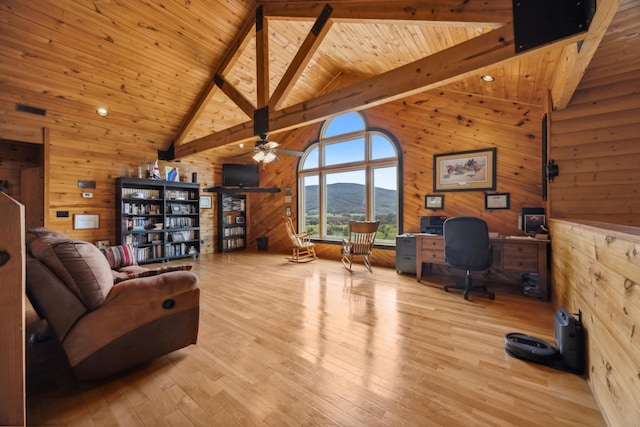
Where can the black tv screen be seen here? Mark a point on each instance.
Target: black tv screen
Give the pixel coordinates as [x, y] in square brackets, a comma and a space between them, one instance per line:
[240, 175]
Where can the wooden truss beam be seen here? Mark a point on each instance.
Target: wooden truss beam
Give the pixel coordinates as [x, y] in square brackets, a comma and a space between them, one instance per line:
[231, 56]
[576, 57]
[458, 11]
[427, 73]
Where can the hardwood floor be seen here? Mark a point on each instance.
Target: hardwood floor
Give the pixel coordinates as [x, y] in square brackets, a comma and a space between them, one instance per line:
[285, 344]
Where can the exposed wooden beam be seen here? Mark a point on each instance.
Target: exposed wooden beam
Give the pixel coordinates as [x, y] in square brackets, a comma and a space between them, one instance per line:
[262, 58]
[231, 56]
[427, 73]
[238, 98]
[576, 57]
[460, 11]
[431, 72]
[302, 58]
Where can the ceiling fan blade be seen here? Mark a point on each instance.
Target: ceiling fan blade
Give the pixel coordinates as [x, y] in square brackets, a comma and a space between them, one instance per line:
[243, 154]
[291, 152]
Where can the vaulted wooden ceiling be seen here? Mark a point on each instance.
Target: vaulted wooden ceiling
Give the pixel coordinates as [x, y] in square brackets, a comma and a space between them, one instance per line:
[191, 73]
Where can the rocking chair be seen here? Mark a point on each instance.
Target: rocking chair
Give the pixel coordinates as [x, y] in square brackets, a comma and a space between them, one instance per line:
[303, 248]
[362, 234]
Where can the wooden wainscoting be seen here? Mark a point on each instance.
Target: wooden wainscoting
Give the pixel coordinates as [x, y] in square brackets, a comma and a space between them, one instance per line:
[596, 269]
[287, 344]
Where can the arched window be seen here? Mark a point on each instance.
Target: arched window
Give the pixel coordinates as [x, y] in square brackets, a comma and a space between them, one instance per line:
[351, 172]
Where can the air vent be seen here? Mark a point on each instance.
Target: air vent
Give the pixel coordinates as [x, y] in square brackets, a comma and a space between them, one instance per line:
[31, 110]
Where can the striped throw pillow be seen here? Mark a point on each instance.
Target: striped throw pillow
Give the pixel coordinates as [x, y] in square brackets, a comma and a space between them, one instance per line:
[120, 256]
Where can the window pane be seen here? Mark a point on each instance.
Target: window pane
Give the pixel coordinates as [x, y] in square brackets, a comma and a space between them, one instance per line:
[344, 123]
[385, 202]
[311, 160]
[346, 200]
[311, 207]
[344, 152]
[381, 147]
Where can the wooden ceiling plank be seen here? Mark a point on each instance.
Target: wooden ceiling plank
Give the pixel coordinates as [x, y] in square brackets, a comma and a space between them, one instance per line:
[469, 11]
[231, 56]
[262, 58]
[302, 58]
[574, 62]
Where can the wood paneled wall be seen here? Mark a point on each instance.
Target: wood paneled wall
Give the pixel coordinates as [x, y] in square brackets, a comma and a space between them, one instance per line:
[596, 269]
[596, 139]
[431, 123]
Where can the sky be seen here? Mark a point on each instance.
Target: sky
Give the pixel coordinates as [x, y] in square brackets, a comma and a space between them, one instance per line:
[353, 150]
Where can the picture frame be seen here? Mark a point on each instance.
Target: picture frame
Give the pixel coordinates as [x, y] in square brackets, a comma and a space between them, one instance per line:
[434, 201]
[495, 201]
[171, 173]
[473, 170]
[86, 221]
[175, 209]
[177, 237]
[239, 220]
[205, 202]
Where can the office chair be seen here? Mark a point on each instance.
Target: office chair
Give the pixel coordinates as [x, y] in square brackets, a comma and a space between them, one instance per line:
[467, 247]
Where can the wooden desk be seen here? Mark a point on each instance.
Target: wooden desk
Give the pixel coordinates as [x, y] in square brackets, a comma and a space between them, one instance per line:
[523, 255]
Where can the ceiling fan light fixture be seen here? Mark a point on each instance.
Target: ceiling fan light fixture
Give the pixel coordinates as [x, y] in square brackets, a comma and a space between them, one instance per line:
[269, 157]
[259, 156]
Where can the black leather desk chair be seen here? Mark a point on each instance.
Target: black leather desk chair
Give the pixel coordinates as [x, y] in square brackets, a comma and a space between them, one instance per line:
[467, 247]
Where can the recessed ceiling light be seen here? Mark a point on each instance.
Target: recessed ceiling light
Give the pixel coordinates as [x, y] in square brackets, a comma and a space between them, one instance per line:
[487, 78]
[241, 145]
[102, 111]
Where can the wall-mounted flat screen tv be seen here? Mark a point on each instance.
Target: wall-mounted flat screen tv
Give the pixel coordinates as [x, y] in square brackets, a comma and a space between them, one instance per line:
[240, 175]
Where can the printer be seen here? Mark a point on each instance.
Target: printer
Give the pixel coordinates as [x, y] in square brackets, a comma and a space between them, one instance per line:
[432, 224]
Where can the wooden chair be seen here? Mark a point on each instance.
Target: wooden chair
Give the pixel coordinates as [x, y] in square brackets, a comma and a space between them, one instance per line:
[303, 248]
[362, 234]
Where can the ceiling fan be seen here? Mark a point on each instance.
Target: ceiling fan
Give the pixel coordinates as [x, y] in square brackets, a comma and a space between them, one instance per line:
[265, 151]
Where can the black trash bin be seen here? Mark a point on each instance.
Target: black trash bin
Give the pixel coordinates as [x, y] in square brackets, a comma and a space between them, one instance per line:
[263, 243]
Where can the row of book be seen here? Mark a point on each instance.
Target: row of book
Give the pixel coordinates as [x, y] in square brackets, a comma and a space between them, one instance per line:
[234, 231]
[142, 239]
[232, 243]
[180, 249]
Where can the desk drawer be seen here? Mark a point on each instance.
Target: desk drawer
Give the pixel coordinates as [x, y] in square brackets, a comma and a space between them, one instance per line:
[436, 243]
[433, 257]
[519, 257]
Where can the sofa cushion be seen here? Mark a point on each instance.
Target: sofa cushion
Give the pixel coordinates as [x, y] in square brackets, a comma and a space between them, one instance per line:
[80, 265]
[120, 256]
[151, 272]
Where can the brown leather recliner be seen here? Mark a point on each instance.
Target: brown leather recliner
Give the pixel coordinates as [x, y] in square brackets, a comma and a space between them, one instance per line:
[106, 328]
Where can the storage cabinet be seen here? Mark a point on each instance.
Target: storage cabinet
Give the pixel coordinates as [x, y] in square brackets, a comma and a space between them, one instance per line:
[161, 219]
[232, 228]
[406, 254]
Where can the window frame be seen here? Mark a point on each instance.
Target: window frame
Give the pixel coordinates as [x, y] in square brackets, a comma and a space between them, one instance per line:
[369, 165]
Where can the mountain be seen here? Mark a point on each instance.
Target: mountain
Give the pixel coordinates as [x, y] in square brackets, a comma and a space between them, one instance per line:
[345, 199]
